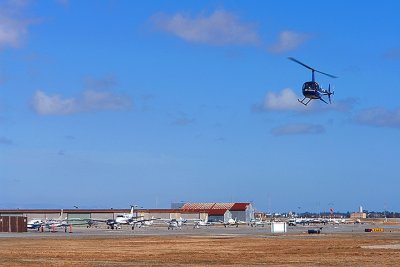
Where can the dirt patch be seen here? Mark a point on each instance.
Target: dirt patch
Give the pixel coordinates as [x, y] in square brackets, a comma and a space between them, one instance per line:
[306, 250]
[389, 246]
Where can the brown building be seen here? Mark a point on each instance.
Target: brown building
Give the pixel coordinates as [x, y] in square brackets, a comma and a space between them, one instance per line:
[14, 224]
[358, 215]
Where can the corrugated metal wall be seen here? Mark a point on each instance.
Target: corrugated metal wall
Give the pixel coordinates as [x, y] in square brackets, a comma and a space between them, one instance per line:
[239, 215]
[227, 216]
[102, 216]
[245, 215]
[161, 215]
[216, 218]
[78, 218]
[15, 224]
[190, 216]
[250, 213]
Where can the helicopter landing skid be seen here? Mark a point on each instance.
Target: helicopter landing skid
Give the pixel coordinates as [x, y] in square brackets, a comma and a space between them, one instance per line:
[302, 101]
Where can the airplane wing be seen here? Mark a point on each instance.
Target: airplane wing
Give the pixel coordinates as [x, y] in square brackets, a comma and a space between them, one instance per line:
[165, 220]
[98, 220]
[145, 220]
[77, 221]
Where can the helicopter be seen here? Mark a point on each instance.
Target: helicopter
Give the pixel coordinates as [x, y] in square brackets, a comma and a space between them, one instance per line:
[311, 89]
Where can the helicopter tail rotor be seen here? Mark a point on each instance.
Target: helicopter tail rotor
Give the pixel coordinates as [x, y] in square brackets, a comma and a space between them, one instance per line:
[330, 93]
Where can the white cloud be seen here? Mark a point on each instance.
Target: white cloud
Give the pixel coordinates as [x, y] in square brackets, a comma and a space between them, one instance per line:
[90, 100]
[286, 100]
[13, 27]
[220, 28]
[379, 117]
[288, 41]
[298, 128]
[342, 105]
[46, 105]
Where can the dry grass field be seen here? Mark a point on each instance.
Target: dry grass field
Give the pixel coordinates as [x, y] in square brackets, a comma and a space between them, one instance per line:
[300, 250]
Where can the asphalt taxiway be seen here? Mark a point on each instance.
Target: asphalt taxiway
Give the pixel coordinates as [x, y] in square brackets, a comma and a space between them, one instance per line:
[215, 231]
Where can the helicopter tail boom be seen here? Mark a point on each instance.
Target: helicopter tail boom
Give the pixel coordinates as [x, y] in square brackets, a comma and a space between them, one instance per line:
[327, 92]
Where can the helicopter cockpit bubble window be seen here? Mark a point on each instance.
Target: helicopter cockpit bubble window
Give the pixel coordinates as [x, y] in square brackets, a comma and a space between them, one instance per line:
[311, 86]
[308, 86]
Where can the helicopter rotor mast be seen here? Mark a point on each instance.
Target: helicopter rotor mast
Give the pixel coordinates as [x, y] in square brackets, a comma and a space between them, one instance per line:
[312, 69]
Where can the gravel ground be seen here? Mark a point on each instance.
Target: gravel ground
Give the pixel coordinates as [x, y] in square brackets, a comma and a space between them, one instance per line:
[202, 249]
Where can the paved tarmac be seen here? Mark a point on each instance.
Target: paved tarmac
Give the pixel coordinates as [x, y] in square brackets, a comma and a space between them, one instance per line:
[215, 231]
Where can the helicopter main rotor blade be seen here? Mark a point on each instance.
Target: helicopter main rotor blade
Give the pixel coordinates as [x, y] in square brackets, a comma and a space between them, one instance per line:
[327, 74]
[301, 63]
[308, 67]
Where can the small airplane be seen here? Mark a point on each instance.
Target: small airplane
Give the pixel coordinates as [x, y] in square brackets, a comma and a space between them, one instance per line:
[60, 222]
[115, 223]
[232, 222]
[201, 223]
[175, 223]
[122, 219]
[311, 89]
[306, 221]
[142, 222]
[255, 223]
[35, 224]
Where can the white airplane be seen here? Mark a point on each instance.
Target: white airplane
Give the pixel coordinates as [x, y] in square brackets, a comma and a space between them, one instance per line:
[334, 221]
[115, 223]
[125, 218]
[232, 222]
[255, 223]
[122, 219]
[142, 222]
[175, 223]
[307, 221]
[201, 223]
[35, 224]
[54, 223]
[340, 221]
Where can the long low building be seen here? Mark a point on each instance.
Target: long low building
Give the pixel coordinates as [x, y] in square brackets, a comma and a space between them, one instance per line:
[102, 214]
[201, 211]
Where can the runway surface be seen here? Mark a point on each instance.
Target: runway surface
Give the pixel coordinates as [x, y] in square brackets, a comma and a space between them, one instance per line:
[187, 230]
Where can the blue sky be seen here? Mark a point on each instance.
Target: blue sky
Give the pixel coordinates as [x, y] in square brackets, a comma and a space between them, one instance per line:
[111, 103]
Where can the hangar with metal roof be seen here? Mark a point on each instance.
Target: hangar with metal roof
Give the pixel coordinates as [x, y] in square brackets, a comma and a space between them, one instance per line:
[242, 211]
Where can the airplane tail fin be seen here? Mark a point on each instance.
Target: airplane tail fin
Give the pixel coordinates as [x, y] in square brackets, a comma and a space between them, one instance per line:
[61, 214]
